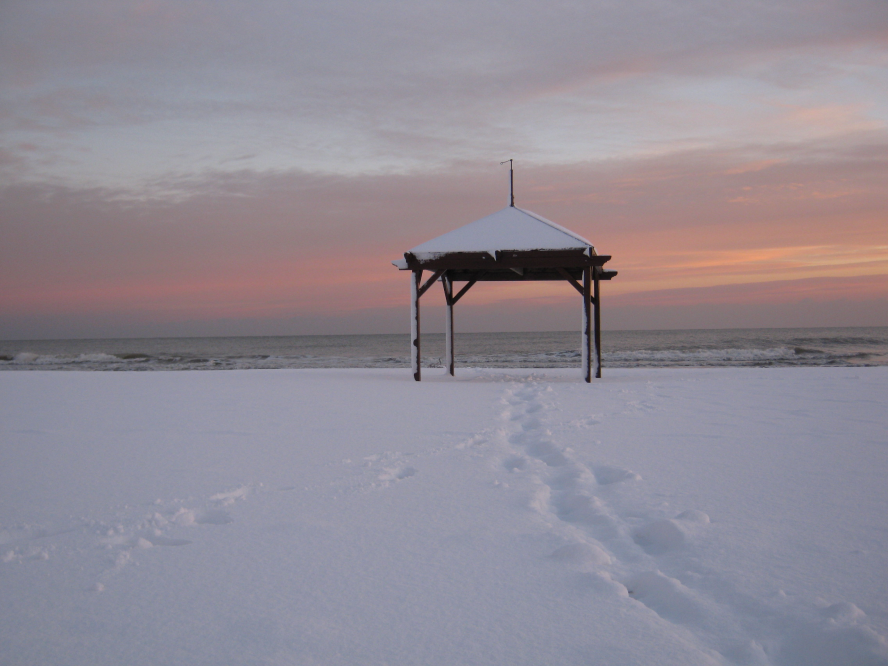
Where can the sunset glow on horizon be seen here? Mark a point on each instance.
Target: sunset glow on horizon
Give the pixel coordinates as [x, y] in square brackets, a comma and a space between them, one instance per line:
[175, 168]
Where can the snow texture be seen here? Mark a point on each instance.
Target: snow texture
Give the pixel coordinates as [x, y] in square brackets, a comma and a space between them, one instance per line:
[670, 517]
[511, 228]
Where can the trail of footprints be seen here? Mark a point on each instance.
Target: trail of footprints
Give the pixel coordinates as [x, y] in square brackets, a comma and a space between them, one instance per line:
[570, 496]
[131, 529]
[644, 553]
[108, 545]
[570, 492]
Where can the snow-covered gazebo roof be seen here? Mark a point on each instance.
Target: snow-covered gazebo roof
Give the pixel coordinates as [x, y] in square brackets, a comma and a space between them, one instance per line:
[510, 244]
[511, 228]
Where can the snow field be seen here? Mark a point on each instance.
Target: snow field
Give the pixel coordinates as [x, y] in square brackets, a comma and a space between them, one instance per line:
[730, 516]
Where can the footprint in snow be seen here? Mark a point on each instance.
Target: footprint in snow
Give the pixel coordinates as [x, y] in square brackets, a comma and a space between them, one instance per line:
[397, 473]
[184, 517]
[693, 516]
[582, 554]
[473, 441]
[231, 496]
[515, 463]
[214, 517]
[666, 596]
[548, 453]
[166, 541]
[584, 423]
[661, 536]
[573, 477]
[606, 475]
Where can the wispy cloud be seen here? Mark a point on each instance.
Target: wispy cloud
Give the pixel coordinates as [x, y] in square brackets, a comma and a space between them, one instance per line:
[249, 160]
[398, 87]
[253, 245]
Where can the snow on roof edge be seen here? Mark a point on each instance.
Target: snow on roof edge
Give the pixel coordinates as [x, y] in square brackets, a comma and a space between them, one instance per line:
[557, 227]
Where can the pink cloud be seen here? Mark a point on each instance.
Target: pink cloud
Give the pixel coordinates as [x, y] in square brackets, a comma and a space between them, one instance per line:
[267, 247]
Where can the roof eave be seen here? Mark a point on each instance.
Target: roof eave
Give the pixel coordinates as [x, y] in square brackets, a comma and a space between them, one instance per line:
[505, 259]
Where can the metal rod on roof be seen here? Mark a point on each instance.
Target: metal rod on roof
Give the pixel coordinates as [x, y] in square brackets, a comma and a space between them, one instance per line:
[511, 183]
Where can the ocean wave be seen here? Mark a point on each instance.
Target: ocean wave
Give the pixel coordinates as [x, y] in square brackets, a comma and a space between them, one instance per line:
[840, 340]
[546, 350]
[705, 355]
[31, 358]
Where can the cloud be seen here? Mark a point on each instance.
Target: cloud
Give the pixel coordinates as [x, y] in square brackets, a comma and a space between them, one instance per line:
[386, 41]
[396, 86]
[232, 246]
[813, 302]
[221, 161]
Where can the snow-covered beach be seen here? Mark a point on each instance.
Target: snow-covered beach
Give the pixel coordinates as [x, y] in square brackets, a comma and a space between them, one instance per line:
[657, 516]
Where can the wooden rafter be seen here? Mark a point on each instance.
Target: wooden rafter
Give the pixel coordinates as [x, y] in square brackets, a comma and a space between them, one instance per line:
[567, 276]
[462, 291]
[424, 288]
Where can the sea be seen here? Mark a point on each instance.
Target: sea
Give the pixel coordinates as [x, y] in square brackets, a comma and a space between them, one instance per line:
[765, 347]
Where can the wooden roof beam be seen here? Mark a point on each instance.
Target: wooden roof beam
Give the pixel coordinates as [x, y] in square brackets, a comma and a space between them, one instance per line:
[528, 259]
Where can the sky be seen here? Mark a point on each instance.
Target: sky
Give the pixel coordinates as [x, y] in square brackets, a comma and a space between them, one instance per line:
[252, 168]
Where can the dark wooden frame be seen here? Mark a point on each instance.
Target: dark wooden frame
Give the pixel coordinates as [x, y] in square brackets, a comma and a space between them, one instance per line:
[579, 268]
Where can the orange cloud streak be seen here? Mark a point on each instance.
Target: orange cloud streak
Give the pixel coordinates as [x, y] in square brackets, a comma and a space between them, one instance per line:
[304, 246]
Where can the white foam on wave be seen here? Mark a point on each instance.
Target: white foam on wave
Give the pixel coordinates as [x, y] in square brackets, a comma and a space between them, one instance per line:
[25, 357]
[30, 358]
[97, 358]
[704, 355]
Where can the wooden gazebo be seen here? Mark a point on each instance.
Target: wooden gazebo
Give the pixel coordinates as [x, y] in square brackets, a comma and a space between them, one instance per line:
[511, 245]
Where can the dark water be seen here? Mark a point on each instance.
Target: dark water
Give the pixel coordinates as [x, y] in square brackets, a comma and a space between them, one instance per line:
[621, 349]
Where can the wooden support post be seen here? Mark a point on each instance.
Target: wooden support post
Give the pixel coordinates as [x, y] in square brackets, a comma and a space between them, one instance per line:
[448, 324]
[587, 324]
[597, 296]
[415, 358]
